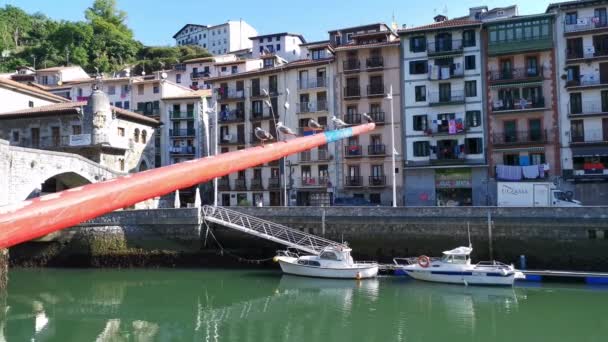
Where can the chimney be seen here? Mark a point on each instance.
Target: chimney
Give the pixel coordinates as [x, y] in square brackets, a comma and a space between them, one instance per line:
[439, 18]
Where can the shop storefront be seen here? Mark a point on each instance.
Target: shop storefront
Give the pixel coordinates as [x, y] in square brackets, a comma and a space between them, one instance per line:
[453, 187]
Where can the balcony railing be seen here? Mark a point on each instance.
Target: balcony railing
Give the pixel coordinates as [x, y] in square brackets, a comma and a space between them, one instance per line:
[314, 181]
[590, 137]
[230, 116]
[305, 156]
[378, 117]
[521, 137]
[199, 74]
[518, 104]
[444, 47]
[256, 184]
[439, 73]
[223, 184]
[376, 150]
[179, 67]
[375, 90]
[265, 114]
[311, 106]
[182, 150]
[311, 83]
[259, 91]
[352, 119]
[586, 24]
[586, 108]
[351, 65]
[232, 139]
[353, 181]
[240, 184]
[375, 62]
[586, 81]
[353, 151]
[230, 94]
[182, 114]
[187, 132]
[323, 155]
[377, 181]
[274, 183]
[518, 74]
[352, 91]
[444, 98]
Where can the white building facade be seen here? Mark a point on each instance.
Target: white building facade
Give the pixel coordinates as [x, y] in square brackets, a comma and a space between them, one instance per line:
[218, 39]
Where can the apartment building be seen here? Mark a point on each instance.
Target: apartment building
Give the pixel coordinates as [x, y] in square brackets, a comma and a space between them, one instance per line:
[285, 45]
[16, 96]
[582, 75]
[443, 113]
[523, 119]
[367, 64]
[219, 39]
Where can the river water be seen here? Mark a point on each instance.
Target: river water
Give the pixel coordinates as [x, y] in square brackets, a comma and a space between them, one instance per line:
[254, 305]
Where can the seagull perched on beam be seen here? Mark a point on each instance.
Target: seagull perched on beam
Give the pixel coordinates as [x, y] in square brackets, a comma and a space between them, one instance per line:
[262, 135]
[312, 124]
[285, 130]
[338, 123]
[367, 118]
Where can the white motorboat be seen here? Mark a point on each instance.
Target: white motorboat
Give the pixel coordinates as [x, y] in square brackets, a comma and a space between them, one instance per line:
[455, 267]
[332, 262]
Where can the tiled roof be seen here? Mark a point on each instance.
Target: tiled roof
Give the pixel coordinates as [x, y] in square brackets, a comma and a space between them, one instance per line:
[72, 108]
[366, 46]
[441, 25]
[58, 68]
[27, 89]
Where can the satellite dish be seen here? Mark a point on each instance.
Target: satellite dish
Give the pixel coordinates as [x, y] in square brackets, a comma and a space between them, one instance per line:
[163, 75]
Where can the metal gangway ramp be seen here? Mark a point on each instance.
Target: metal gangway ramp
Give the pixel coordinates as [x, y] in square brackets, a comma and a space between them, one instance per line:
[267, 230]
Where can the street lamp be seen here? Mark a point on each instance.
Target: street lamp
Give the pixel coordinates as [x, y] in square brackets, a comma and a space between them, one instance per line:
[389, 97]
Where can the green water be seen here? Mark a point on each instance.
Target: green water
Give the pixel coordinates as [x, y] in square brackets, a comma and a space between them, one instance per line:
[245, 305]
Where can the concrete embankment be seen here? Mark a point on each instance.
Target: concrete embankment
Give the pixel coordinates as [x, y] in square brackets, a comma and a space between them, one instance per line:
[557, 238]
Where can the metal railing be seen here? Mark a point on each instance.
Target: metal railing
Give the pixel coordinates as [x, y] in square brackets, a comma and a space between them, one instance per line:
[229, 116]
[376, 150]
[311, 83]
[521, 137]
[438, 98]
[265, 114]
[268, 230]
[374, 62]
[230, 93]
[585, 24]
[590, 136]
[182, 150]
[444, 46]
[437, 73]
[352, 91]
[518, 104]
[587, 108]
[240, 184]
[377, 180]
[256, 184]
[351, 65]
[378, 117]
[223, 184]
[375, 90]
[588, 80]
[181, 114]
[274, 183]
[186, 132]
[353, 151]
[199, 74]
[353, 181]
[352, 119]
[516, 74]
[305, 156]
[232, 139]
[314, 181]
[323, 155]
[259, 91]
[311, 106]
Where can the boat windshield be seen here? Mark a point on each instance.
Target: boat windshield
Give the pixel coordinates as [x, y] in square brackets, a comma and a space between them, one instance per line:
[327, 255]
[455, 259]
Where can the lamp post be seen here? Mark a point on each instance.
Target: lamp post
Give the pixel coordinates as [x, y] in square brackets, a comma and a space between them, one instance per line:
[215, 137]
[389, 97]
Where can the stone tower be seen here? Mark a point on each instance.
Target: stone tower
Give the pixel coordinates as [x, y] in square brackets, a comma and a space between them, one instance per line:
[98, 118]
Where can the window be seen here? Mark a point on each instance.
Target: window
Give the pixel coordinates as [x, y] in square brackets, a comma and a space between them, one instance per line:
[178, 78]
[473, 118]
[156, 89]
[420, 122]
[140, 89]
[30, 104]
[76, 129]
[278, 47]
[111, 90]
[268, 63]
[469, 62]
[576, 103]
[571, 18]
[577, 131]
[470, 88]
[235, 69]
[121, 162]
[144, 137]
[510, 159]
[224, 69]
[418, 44]
[136, 135]
[118, 104]
[537, 158]
[420, 93]
[468, 38]
[125, 105]
[35, 135]
[15, 136]
[473, 145]
[418, 67]
[421, 149]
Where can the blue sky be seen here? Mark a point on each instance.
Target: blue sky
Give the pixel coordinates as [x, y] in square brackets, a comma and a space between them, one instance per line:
[155, 21]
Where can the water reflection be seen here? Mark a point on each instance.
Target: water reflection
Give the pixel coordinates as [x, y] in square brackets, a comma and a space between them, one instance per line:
[138, 305]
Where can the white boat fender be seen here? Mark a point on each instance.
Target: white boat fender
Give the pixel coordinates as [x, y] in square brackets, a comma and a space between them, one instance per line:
[275, 259]
[358, 276]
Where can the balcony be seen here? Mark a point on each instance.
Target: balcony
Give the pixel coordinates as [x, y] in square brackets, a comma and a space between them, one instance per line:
[512, 46]
[377, 181]
[181, 150]
[575, 55]
[311, 106]
[589, 137]
[591, 81]
[223, 184]
[179, 67]
[199, 74]
[352, 119]
[231, 116]
[374, 62]
[586, 24]
[258, 92]
[448, 159]
[181, 115]
[240, 184]
[351, 65]
[516, 75]
[587, 108]
[312, 83]
[274, 183]
[440, 73]
[186, 132]
[323, 155]
[378, 117]
[228, 94]
[444, 47]
[377, 150]
[265, 114]
[517, 105]
[529, 137]
[314, 182]
[375, 90]
[256, 184]
[353, 181]
[352, 92]
[446, 98]
[232, 139]
[305, 157]
[353, 151]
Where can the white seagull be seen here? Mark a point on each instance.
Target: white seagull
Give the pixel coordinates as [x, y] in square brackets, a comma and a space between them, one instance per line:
[314, 125]
[284, 129]
[338, 123]
[367, 118]
[262, 135]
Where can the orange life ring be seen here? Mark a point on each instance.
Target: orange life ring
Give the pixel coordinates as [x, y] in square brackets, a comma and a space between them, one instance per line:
[424, 261]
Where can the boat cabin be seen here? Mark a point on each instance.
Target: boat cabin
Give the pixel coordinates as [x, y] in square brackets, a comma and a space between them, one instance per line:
[459, 256]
